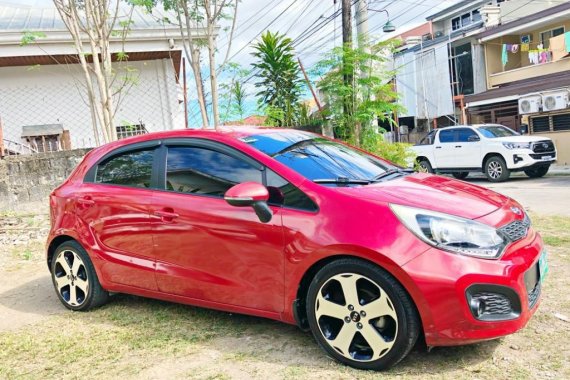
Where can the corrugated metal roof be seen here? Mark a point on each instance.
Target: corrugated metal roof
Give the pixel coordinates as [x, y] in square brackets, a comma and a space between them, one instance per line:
[14, 17]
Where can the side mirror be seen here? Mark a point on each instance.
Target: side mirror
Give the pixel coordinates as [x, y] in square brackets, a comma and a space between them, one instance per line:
[524, 129]
[251, 194]
[473, 138]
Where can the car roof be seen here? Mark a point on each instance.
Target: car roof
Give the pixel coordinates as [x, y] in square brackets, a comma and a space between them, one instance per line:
[471, 126]
[234, 132]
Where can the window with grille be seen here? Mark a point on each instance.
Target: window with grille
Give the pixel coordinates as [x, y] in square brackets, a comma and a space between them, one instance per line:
[561, 122]
[124, 131]
[541, 124]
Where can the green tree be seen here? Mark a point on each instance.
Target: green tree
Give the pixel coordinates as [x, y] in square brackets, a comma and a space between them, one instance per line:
[232, 93]
[370, 95]
[280, 83]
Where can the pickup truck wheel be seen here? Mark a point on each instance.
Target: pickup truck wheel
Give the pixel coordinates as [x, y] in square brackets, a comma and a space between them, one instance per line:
[537, 172]
[496, 169]
[460, 175]
[425, 166]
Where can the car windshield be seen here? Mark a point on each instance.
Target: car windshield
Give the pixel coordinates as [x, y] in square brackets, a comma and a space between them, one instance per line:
[319, 159]
[494, 131]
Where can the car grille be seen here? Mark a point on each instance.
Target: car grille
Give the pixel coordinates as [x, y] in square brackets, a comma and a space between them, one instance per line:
[495, 304]
[517, 229]
[543, 146]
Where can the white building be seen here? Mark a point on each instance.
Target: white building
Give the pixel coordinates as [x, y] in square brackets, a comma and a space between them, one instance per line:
[42, 90]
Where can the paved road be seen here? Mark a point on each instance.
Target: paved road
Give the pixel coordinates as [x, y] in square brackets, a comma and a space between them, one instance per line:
[549, 195]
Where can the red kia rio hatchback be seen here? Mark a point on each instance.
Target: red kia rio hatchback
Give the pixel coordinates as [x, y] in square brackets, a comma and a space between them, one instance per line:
[292, 226]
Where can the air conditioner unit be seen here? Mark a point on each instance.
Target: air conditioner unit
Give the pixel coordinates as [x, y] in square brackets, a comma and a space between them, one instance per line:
[530, 104]
[555, 100]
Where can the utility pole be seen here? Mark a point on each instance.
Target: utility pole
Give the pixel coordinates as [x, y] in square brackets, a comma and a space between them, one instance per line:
[362, 29]
[347, 22]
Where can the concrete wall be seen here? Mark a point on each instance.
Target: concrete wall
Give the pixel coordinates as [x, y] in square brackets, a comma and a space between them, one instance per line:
[30, 179]
[55, 94]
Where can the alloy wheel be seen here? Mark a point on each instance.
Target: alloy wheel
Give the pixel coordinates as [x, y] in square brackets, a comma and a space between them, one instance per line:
[356, 317]
[495, 169]
[70, 278]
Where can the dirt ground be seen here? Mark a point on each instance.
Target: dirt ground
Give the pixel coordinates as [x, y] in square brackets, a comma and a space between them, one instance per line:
[138, 338]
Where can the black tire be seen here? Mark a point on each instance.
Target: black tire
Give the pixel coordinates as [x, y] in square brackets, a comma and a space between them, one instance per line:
[496, 169]
[537, 172]
[460, 175]
[425, 166]
[399, 330]
[79, 290]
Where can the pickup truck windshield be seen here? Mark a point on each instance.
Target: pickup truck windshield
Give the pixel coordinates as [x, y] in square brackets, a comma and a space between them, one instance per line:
[317, 158]
[494, 131]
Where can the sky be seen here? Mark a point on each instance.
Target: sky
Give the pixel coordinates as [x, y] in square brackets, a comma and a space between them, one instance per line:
[295, 17]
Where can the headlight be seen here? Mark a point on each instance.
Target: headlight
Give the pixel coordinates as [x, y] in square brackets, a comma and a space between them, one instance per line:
[452, 233]
[515, 145]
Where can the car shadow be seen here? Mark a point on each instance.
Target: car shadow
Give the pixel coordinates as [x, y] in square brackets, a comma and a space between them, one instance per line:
[273, 342]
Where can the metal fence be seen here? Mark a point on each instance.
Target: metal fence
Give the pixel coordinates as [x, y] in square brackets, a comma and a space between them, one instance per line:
[48, 111]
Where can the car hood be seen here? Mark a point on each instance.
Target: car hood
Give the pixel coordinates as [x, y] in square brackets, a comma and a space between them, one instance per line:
[434, 193]
[520, 139]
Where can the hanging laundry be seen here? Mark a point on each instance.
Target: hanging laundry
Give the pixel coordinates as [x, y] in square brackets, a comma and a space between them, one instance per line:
[558, 47]
[543, 56]
[525, 47]
[567, 36]
[505, 55]
[533, 57]
[514, 49]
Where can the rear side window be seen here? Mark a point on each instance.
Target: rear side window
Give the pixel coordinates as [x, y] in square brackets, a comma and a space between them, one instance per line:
[132, 169]
[447, 136]
[204, 171]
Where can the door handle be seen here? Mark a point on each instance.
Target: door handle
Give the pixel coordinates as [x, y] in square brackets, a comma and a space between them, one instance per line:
[86, 201]
[458, 146]
[166, 215]
[437, 147]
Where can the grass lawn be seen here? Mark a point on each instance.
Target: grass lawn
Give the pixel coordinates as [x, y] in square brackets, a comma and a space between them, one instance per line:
[133, 337]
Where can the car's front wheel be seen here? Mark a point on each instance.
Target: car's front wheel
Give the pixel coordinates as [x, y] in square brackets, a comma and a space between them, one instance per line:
[361, 315]
[496, 169]
[75, 279]
[537, 172]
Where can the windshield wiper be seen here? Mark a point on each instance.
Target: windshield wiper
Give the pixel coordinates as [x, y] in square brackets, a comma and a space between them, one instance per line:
[342, 181]
[392, 172]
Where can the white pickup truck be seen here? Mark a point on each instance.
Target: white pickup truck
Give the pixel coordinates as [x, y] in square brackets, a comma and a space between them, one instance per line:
[489, 148]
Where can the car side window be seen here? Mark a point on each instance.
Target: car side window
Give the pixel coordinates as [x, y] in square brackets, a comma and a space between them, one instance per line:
[464, 134]
[281, 192]
[447, 136]
[132, 169]
[198, 170]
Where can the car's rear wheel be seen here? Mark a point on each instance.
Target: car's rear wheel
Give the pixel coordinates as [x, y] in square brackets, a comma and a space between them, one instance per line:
[361, 315]
[460, 175]
[537, 172]
[75, 279]
[496, 169]
[424, 166]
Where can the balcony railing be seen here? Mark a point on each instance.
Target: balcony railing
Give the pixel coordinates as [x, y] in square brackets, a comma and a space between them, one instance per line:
[527, 72]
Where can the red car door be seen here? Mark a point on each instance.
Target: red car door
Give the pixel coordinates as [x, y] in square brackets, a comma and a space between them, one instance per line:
[205, 248]
[112, 208]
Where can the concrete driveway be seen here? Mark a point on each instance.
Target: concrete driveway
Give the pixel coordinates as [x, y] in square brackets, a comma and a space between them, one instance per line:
[549, 195]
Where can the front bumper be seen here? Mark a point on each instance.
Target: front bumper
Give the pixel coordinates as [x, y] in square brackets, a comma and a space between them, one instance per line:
[447, 280]
[521, 159]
